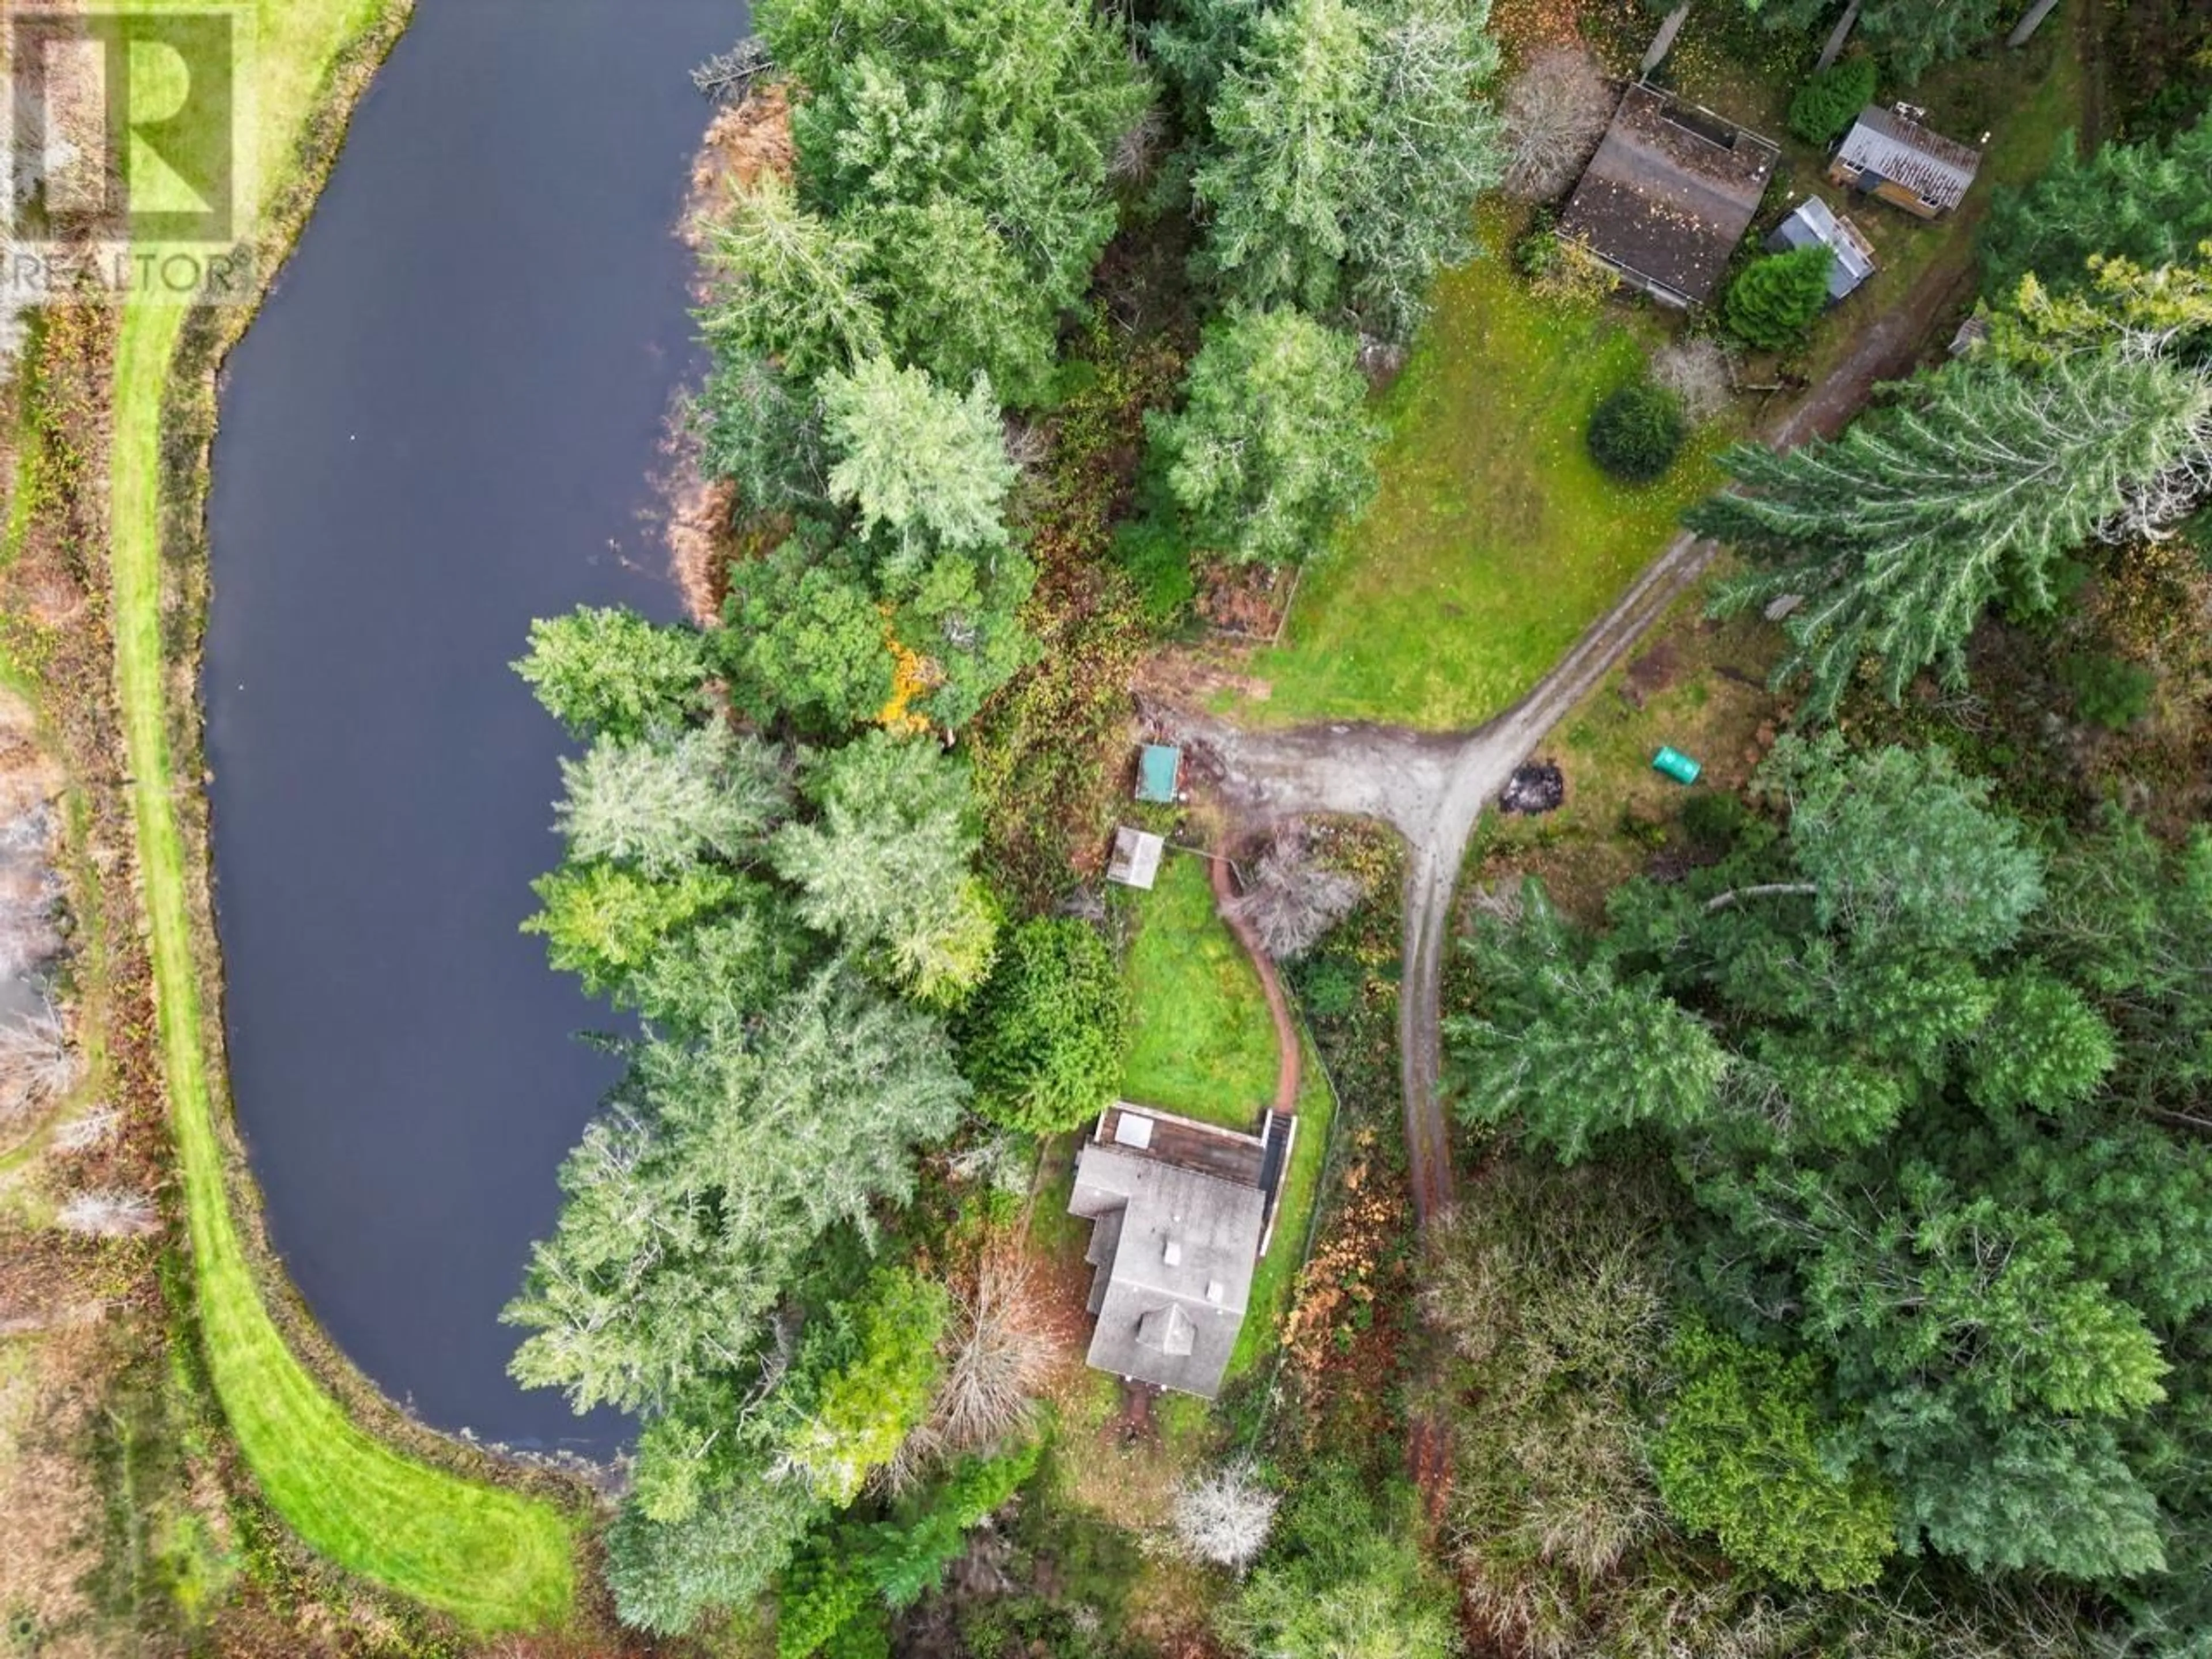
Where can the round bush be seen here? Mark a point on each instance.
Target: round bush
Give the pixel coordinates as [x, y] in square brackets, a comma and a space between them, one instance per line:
[1636, 432]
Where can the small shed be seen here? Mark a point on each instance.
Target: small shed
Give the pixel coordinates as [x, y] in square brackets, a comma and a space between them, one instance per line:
[1159, 773]
[1889, 154]
[1815, 223]
[1668, 195]
[1136, 860]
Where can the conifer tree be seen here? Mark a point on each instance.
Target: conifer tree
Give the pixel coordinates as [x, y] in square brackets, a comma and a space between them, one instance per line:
[2150, 203]
[1897, 535]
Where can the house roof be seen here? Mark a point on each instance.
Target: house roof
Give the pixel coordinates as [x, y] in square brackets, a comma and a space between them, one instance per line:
[1159, 768]
[1174, 1249]
[1887, 145]
[1136, 860]
[1669, 193]
[1814, 222]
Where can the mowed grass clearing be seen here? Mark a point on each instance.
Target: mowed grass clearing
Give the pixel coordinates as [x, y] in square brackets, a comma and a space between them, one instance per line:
[1200, 1040]
[1203, 1044]
[491, 1558]
[1493, 539]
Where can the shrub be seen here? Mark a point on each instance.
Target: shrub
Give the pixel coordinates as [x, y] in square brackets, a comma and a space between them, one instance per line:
[1773, 301]
[1826, 103]
[1712, 818]
[1636, 432]
[1153, 551]
[2109, 691]
[1043, 1046]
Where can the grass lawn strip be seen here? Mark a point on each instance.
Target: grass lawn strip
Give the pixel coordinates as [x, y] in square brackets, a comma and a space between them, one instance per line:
[1276, 1276]
[1201, 1043]
[1493, 540]
[489, 1557]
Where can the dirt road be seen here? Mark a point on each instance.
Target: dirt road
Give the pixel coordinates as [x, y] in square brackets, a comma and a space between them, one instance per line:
[1431, 788]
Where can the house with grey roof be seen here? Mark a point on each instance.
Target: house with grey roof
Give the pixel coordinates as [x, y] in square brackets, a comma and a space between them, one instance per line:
[1814, 222]
[1668, 195]
[1180, 1214]
[1888, 155]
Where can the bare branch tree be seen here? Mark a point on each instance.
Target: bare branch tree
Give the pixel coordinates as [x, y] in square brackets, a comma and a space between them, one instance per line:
[1289, 901]
[1137, 151]
[996, 1361]
[1697, 372]
[1225, 1517]
[108, 1213]
[37, 1064]
[1556, 111]
[87, 1130]
[728, 75]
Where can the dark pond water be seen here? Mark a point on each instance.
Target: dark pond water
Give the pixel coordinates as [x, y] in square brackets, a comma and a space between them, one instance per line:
[440, 426]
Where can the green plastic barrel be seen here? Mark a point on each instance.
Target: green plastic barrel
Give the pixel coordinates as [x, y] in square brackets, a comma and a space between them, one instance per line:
[1676, 765]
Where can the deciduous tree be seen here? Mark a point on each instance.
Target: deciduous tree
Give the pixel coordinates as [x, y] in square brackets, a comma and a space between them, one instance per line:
[1556, 110]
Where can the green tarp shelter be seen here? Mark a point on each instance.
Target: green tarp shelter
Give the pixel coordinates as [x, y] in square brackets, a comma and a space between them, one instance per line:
[1159, 770]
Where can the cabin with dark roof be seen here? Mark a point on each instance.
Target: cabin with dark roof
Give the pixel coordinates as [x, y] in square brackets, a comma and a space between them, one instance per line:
[1815, 223]
[1181, 1212]
[1888, 155]
[1668, 195]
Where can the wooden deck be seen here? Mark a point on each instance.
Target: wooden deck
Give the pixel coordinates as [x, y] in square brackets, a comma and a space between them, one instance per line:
[1227, 1154]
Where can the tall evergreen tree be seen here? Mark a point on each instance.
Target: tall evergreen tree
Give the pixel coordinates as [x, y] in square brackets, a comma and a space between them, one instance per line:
[1896, 537]
[2150, 203]
[1346, 147]
[693, 1199]
[884, 864]
[1908, 36]
[919, 461]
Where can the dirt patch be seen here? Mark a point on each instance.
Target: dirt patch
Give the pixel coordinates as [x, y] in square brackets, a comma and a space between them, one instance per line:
[1533, 789]
[745, 140]
[1193, 679]
[1653, 671]
[1249, 601]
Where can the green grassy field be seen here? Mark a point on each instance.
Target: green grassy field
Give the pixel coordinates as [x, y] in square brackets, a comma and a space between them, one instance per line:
[491, 1558]
[1493, 540]
[1200, 1040]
